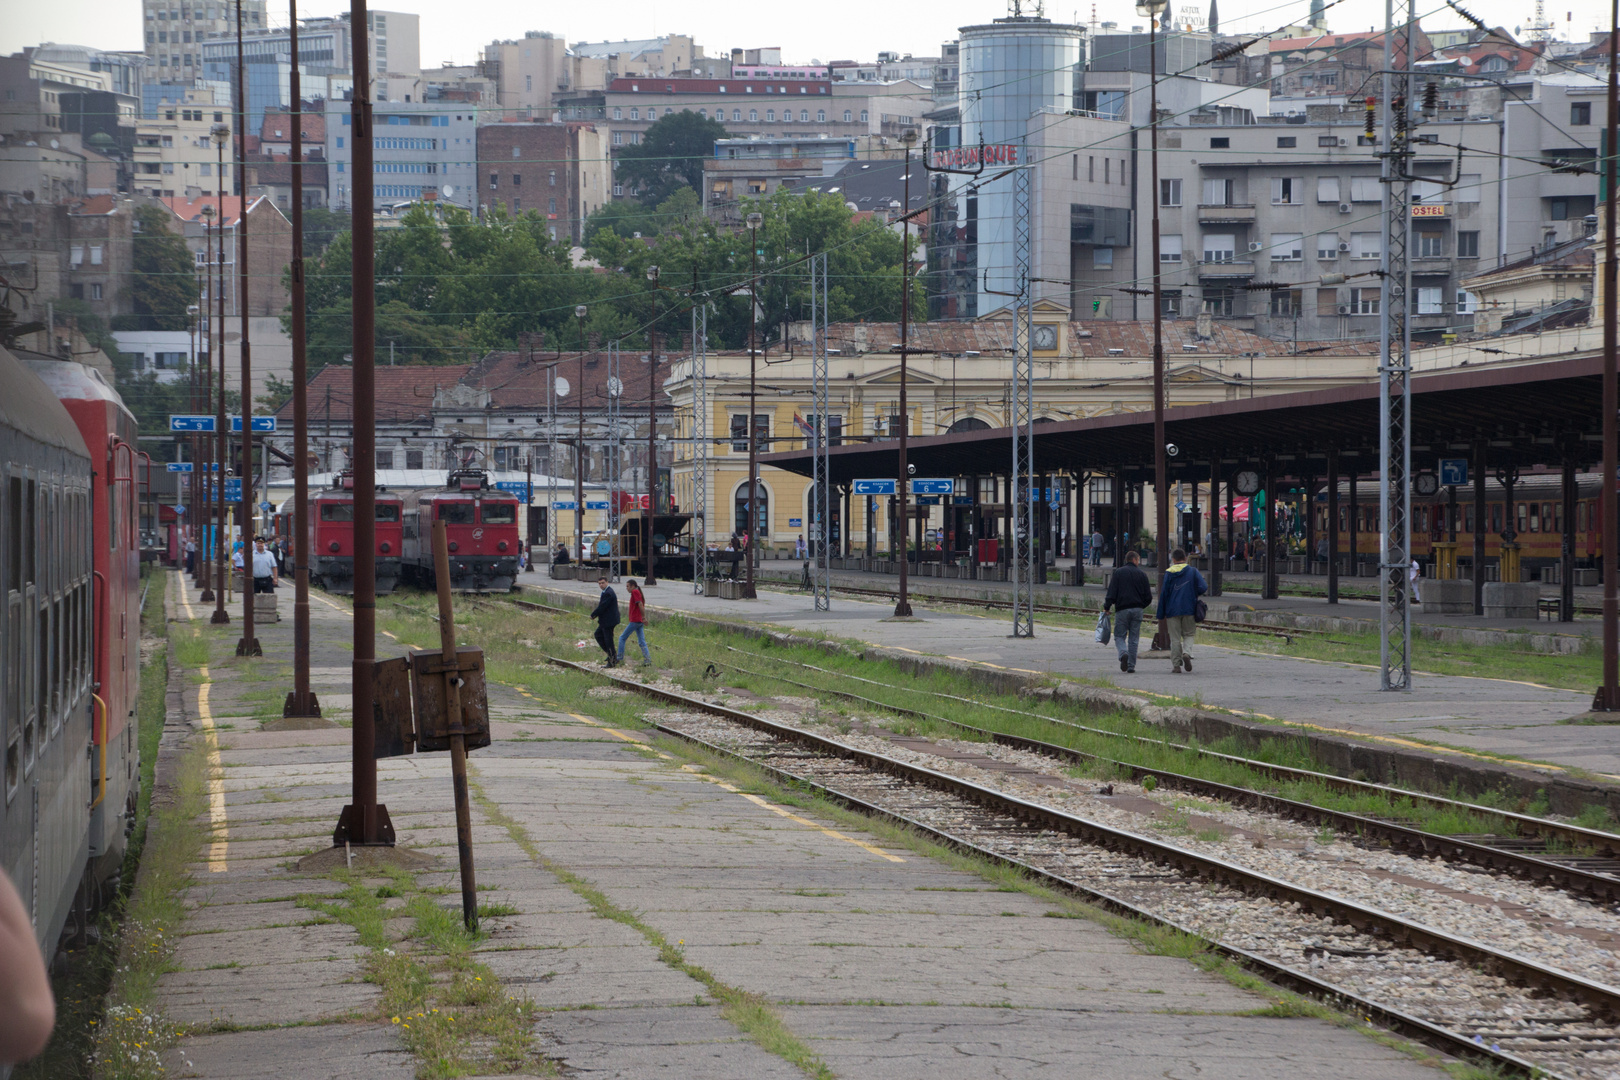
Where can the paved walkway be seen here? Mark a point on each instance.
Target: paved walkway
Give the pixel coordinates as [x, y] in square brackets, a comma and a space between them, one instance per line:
[1512, 719]
[885, 963]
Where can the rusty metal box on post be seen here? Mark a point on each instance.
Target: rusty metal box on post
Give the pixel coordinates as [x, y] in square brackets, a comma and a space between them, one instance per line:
[432, 714]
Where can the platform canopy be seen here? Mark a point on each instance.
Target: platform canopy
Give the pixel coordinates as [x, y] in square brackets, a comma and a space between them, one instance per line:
[1529, 414]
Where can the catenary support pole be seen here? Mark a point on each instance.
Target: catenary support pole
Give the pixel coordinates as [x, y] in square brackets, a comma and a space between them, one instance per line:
[751, 500]
[1481, 461]
[301, 701]
[249, 644]
[1333, 525]
[902, 604]
[1214, 545]
[364, 821]
[652, 438]
[1608, 695]
[222, 566]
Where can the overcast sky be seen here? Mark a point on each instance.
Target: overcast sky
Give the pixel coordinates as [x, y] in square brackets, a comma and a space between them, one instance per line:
[831, 30]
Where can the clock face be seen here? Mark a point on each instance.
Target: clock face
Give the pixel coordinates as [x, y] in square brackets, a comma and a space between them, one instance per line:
[1246, 482]
[1426, 483]
[1046, 337]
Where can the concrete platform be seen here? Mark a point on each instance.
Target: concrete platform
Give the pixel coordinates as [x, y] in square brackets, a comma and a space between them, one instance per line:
[885, 963]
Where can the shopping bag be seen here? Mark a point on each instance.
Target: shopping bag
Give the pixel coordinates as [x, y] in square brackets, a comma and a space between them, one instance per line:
[1105, 628]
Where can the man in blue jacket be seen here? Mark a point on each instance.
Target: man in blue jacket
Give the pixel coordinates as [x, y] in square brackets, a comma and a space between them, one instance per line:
[1178, 598]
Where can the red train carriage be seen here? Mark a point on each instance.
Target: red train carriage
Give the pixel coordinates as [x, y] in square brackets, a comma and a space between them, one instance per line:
[70, 636]
[331, 549]
[481, 525]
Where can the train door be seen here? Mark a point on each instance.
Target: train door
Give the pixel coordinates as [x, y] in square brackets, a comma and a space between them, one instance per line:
[537, 531]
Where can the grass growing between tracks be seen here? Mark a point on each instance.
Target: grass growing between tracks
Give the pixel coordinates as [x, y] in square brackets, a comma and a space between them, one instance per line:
[695, 654]
[451, 1010]
[752, 1014]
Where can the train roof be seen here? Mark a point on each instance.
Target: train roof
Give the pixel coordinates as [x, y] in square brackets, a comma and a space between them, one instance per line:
[30, 406]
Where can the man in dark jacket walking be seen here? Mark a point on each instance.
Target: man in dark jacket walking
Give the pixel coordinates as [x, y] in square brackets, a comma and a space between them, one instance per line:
[1129, 591]
[1178, 600]
[606, 614]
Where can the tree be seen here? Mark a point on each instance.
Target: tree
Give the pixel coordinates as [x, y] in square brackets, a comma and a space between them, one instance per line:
[321, 226]
[670, 156]
[163, 272]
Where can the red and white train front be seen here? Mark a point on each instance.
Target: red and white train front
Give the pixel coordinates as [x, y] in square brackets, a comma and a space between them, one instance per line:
[331, 548]
[481, 527]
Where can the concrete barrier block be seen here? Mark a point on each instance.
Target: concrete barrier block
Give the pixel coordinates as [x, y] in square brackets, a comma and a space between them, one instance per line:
[1511, 600]
[1448, 597]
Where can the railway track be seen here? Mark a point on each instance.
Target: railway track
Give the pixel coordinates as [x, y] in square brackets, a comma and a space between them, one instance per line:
[1594, 877]
[1453, 992]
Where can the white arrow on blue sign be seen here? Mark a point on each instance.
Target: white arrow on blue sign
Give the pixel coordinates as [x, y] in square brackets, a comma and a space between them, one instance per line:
[260, 423]
[520, 488]
[563, 504]
[932, 487]
[595, 504]
[178, 466]
[190, 423]
[874, 487]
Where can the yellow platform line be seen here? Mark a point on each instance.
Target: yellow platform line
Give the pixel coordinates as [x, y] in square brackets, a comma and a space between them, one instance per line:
[217, 820]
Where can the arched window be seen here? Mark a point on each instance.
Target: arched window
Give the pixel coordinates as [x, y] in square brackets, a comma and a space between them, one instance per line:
[741, 511]
[753, 116]
[848, 116]
[821, 116]
[968, 423]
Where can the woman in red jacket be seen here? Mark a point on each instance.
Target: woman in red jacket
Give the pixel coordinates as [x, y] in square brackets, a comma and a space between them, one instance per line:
[637, 622]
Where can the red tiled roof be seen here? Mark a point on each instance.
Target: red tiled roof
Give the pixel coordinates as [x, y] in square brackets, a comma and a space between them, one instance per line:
[95, 206]
[995, 338]
[403, 394]
[517, 379]
[657, 85]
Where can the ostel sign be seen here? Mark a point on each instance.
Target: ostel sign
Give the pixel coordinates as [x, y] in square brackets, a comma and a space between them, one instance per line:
[967, 157]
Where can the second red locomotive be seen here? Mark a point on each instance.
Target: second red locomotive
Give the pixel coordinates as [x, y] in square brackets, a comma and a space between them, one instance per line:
[331, 549]
[481, 525]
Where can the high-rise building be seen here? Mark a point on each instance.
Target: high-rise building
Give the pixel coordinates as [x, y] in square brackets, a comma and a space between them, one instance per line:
[176, 30]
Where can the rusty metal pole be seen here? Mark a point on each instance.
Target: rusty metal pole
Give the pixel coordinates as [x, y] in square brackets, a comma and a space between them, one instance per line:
[365, 820]
[755, 220]
[1608, 695]
[221, 135]
[205, 443]
[458, 737]
[249, 645]
[301, 701]
[1161, 478]
[1333, 526]
[579, 447]
[902, 603]
[651, 577]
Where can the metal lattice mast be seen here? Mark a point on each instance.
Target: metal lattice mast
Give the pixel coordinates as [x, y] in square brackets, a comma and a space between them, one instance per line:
[1023, 411]
[1395, 354]
[821, 489]
[612, 459]
[700, 446]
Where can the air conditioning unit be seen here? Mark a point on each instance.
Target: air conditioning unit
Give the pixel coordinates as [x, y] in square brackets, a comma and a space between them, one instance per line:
[1343, 246]
[1345, 208]
[1255, 245]
[1344, 309]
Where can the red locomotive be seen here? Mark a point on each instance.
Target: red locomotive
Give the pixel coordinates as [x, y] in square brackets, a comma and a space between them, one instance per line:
[69, 635]
[481, 525]
[331, 526]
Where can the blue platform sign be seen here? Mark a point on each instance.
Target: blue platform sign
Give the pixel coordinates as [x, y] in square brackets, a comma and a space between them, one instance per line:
[874, 487]
[1454, 471]
[178, 466]
[260, 423]
[233, 490]
[961, 500]
[596, 504]
[795, 523]
[520, 488]
[564, 504]
[928, 500]
[933, 487]
[190, 423]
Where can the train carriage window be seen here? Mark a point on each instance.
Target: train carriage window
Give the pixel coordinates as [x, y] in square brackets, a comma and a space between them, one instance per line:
[42, 685]
[387, 512]
[1468, 519]
[1496, 517]
[337, 511]
[29, 533]
[1580, 517]
[14, 535]
[501, 513]
[1529, 513]
[456, 513]
[58, 688]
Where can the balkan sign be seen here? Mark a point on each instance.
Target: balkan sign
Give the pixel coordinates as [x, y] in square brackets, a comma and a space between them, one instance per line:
[967, 157]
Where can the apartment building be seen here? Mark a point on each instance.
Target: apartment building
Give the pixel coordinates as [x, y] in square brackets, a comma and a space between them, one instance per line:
[744, 169]
[557, 170]
[421, 150]
[174, 155]
[176, 31]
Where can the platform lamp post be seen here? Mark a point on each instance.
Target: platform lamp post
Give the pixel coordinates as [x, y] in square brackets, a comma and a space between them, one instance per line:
[652, 430]
[221, 135]
[902, 604]
[249, 644]
[189, 518]
[580, 311]
[205, 555]
[754, 220]
[1151, 10]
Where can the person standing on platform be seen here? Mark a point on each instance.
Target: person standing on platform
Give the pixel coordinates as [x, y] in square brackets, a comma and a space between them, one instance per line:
[1096, 547]
[606, 614]
[1129, 593]
[264, 568]
[191, 555]
[637, 622]
[1178, 602]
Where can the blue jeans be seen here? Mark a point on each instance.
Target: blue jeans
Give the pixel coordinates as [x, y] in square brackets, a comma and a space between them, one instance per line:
[1127, 632]
[638, 629]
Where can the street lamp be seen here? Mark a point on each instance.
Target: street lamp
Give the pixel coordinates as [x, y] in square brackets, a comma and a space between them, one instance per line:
[1151, 10]
[754, 220]
[652, 431]
[580, 311]
[902, 606]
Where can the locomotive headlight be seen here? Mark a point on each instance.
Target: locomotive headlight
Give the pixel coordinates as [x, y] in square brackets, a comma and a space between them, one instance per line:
[386, 547]
[333, 546]
[454, 546]
[501, 546]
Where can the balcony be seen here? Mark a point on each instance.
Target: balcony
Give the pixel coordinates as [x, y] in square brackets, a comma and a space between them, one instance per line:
[1227, 214]
[1227, 268]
